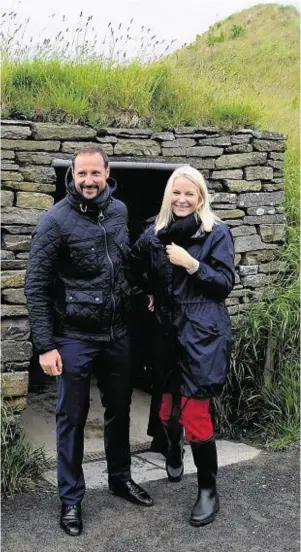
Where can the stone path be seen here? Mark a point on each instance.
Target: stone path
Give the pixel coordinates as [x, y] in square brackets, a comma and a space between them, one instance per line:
[150, 466]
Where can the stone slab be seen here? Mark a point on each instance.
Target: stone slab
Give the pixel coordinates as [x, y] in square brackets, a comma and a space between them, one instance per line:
[137, 147]
[258, 173]
[243, 185]
[30, 145]
[215, 141]
[72, 147]
[12, 278]
[14, 384]
[179, 143]
[8, 311]
[239, 148]
[38, 174]
[18, 329]
[149, 466]
[7, 154]
[204, 151]
[29, 186]
[16, 215]
[259, 199]
[240, 160]
[236, 174]
[14, 295]
[34, 200]
[12, 132]
[96, 475]
[35, 158]
[53, 131]
[7, 198]
[17, 242]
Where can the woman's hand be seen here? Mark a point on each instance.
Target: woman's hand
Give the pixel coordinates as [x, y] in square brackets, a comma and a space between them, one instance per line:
[151, 305]
[179, 256]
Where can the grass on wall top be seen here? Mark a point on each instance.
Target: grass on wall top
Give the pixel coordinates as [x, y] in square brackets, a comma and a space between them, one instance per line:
[227, 76]
[243, 72]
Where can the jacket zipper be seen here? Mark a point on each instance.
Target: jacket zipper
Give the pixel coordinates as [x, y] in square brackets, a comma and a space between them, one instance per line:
[100, 219]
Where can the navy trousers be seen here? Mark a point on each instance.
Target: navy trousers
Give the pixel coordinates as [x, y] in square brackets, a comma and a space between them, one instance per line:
[110, 361]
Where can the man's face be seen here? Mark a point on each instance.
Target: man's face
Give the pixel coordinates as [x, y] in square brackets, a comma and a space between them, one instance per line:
[90, 175]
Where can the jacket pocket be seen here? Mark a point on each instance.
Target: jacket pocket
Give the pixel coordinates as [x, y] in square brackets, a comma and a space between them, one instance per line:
[83, 307]
[210, 328]
[84, 257]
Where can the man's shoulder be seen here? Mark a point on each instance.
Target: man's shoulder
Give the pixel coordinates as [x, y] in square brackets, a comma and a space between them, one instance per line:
[59, 209]
[56, 214]
[119, 206]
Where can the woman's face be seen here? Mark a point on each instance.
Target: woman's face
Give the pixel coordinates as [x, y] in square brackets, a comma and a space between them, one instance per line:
[184, 197]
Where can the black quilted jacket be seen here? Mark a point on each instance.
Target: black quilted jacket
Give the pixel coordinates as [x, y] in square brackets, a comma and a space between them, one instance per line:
[75, 283]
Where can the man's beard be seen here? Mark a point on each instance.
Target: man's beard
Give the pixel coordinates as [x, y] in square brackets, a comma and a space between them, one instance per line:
[93, 187]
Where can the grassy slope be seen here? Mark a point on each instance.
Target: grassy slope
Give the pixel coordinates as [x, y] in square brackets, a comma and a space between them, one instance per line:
[248, 71]
[258, 70]
[261, 65]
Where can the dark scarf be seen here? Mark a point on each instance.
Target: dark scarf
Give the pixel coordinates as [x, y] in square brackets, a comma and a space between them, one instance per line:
[180, 230]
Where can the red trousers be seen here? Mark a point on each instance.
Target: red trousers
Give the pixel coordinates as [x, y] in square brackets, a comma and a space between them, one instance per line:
[194, 416]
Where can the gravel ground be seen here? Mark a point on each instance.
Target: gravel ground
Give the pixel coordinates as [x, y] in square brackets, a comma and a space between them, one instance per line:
[259, 513]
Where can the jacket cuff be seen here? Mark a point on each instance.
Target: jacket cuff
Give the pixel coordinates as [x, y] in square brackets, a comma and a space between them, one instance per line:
[195, 267]
[43, 350]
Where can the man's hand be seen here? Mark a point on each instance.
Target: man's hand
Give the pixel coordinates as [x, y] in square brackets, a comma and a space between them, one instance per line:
[151, 305]
[51, 363]
[179, 256]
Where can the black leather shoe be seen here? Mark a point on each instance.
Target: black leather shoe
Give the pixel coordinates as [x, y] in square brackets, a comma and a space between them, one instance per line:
[71, 519]
[131, 491]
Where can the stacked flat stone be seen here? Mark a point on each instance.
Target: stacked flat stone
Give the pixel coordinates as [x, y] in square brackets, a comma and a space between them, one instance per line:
[243, 170]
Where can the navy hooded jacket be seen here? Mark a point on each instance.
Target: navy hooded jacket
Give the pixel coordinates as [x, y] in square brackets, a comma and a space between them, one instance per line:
[75, 282]
[190, 308]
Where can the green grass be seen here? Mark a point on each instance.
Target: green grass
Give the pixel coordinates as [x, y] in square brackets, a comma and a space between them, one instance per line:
[229, 82]
[21, 465]
[244, 72]
[262, 394]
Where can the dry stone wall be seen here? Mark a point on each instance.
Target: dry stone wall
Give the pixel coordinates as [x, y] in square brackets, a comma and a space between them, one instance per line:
[243, 170]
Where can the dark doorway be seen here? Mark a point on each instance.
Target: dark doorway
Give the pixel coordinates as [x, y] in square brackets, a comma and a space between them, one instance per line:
[140, 186]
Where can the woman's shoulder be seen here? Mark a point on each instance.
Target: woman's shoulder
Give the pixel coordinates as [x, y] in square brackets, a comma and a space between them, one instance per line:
[147, 235]
[220, 229]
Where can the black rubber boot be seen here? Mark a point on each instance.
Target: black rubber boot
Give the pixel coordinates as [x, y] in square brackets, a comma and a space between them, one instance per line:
[174, 459]
[207, 503]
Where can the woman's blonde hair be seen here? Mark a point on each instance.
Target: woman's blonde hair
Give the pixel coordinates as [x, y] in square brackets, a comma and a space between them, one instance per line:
[208, 218]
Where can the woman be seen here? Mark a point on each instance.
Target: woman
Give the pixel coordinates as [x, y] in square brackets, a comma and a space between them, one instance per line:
[185, 262]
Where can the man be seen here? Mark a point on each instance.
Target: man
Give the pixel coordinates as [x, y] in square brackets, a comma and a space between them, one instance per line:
[77, 299]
